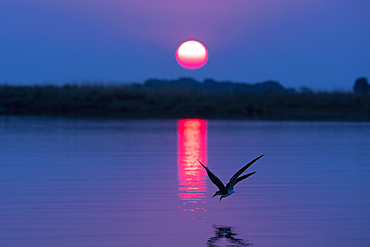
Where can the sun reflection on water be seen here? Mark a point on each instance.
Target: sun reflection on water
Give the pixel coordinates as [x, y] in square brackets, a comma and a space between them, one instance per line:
[192, 145]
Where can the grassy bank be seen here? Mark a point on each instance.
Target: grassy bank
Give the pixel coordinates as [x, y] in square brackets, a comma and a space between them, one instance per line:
[139, 101]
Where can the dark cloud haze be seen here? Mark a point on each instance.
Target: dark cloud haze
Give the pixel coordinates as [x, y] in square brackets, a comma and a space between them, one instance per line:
[322, 44]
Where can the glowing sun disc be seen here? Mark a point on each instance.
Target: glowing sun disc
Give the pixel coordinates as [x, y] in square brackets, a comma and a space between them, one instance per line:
[192, 54]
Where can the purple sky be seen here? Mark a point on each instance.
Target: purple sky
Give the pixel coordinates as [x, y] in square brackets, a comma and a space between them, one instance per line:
[321, 44]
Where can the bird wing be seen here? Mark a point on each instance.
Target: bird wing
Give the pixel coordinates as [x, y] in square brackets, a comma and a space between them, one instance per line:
[238, 173]
[214, 179]
[240, 179]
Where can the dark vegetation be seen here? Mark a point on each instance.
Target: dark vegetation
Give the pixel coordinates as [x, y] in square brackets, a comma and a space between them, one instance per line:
[185, 98]
[361, 86]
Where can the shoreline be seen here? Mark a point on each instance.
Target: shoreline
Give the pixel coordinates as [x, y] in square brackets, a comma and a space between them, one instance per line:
[140, 102]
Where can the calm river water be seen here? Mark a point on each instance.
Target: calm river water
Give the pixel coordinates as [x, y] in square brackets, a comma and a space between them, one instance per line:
[73, 182]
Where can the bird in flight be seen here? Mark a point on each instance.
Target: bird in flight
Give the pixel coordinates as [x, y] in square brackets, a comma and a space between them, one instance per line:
[229, 189]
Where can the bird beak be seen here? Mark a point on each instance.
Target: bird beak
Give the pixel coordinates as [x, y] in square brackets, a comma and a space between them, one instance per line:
[214, 195]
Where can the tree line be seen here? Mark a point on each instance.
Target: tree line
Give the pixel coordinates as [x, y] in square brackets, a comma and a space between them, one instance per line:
[184, 98]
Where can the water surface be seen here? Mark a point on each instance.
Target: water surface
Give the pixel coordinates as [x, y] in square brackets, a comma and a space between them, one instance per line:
[73, 182]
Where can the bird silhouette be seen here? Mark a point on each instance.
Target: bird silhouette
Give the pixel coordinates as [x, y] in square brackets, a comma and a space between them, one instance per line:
[225, 191]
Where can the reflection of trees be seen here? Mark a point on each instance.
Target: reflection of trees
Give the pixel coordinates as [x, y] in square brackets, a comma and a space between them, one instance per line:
[227, 233]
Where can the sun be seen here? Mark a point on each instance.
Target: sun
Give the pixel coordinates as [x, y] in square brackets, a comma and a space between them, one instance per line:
[192, 54]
